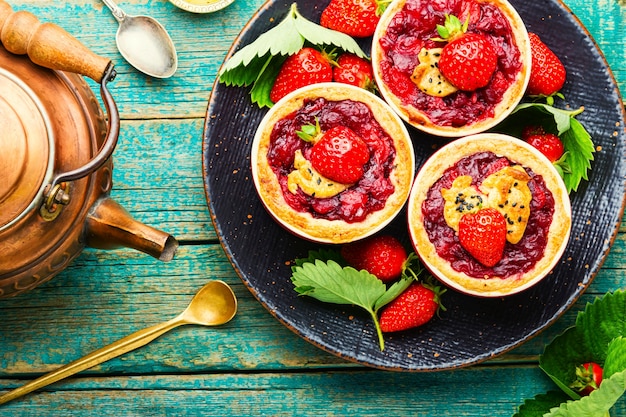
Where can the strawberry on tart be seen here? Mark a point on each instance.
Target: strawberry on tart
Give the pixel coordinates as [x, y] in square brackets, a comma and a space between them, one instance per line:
[451, 68]
[489, 215]
[332, 163]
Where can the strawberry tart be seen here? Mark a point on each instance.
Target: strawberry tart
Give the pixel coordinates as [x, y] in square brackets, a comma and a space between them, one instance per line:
[489, 215]
[332, 163]
[451, 68]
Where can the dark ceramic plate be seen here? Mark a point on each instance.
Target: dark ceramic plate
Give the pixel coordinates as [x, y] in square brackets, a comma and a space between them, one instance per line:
[472, 329]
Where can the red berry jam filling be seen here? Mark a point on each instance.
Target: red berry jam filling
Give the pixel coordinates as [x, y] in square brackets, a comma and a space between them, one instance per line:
[414, 27]
[370, 193]
[518, 258]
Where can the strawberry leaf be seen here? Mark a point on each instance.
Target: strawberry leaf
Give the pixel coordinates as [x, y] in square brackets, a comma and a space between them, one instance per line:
[329, 282]
[579, 148]
[257, 63]
[541, 404]
[596, 404]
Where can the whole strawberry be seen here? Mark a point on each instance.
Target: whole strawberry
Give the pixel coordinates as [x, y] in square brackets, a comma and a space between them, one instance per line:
[468, 61]
[548, 144]
[588, 378]
[547, 74]
[416, 306]
[356, 18]
[340, 155]
[353, 70]
[381, 255]
[305, 67]
[483, 235]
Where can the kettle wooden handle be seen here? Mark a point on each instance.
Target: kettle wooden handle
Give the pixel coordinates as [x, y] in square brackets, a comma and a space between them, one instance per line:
[47, 44]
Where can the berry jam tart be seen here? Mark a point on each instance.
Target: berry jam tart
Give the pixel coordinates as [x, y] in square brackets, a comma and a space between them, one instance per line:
[451, 68]
[489, 215]
[332, 163]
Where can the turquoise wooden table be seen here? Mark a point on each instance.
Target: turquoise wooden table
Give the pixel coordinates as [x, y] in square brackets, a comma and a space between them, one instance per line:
[252, 365]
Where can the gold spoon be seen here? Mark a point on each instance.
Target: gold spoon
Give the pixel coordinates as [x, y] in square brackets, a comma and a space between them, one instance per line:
[213, 305]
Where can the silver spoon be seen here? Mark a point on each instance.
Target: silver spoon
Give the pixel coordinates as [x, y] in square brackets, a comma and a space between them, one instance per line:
[213, 305]
[144, 43]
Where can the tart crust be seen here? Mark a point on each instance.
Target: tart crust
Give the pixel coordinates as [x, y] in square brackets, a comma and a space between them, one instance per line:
[304, 224]
[418, 118]
[520, 153]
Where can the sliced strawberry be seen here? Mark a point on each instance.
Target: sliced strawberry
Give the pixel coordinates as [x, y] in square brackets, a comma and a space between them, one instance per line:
[353, 70]
[416, 306]
[381, 255]
[340, 155]
[356, 18]
[307, 66]
[547, 74]
[483, 235]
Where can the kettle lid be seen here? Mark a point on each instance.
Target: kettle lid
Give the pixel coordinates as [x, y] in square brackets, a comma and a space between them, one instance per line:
[27, 154]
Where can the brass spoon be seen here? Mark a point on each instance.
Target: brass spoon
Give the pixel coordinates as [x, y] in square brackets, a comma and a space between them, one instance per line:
[213, 305]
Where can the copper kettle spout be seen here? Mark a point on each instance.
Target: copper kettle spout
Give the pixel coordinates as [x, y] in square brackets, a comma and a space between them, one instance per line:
[109, 225]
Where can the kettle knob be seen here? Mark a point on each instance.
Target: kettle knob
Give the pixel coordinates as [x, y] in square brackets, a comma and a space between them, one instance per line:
[47, 44]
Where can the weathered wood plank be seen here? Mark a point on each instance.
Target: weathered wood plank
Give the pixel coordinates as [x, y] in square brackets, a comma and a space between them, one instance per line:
[57, 316]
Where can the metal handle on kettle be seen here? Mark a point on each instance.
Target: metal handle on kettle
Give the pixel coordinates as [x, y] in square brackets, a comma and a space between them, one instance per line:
[50, 46]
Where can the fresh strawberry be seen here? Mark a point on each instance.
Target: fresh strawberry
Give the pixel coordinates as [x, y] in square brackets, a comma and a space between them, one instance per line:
[548, 144]
[305, 67]
[354, 70]
[356, 18]
[547, 74]
[416, 306]
[381, 255]
[340, 155]
[483, 235]
[588, 378]
[468, 61]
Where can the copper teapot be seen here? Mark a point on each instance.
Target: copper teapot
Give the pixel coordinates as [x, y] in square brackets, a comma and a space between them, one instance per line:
[55, 156]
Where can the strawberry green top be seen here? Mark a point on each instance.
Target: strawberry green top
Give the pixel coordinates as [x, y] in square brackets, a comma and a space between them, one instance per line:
[355, 201]
[414, 28]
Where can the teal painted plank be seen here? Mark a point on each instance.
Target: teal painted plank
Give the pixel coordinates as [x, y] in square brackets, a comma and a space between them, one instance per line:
[122, 300]
[479, 392]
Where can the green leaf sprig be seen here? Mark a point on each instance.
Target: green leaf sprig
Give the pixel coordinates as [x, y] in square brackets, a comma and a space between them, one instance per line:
[575, 163]
[323, 276]
[599, 335]
[258, 63]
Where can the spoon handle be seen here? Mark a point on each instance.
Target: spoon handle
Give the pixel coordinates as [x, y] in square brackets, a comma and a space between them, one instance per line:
[115, 349]
[117, 11]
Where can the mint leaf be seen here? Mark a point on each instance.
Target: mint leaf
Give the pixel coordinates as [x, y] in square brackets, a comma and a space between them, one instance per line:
[579, 153]
[329, 282]
[541, 404]
[258, 63]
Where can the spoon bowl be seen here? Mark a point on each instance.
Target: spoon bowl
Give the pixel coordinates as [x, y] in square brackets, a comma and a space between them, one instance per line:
[144, 43]
[213, 305]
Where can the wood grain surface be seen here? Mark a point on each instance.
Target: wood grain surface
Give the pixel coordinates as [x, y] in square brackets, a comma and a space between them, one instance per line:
[253, 365]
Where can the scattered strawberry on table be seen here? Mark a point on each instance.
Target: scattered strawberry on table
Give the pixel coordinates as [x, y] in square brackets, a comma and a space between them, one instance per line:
[305, 67]
[588, 378]
[382, 255]
[354, 70]
[416, 306]
[547, 74]
[356, 18]
[547, 143]
[329, 277]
